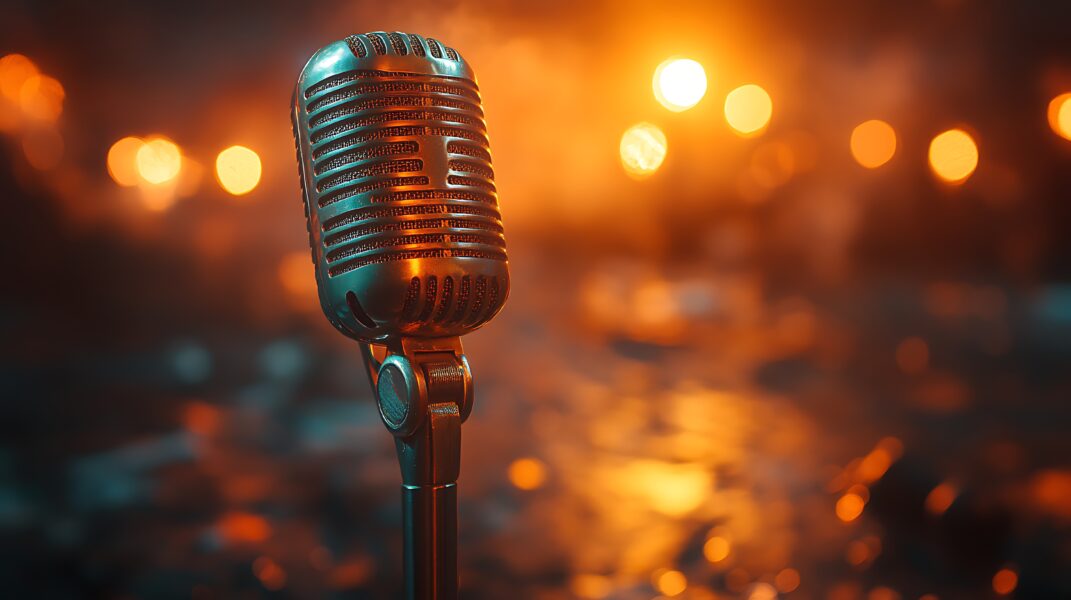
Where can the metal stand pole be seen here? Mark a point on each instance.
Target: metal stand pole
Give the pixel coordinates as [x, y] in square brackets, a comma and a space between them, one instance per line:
[424, 390]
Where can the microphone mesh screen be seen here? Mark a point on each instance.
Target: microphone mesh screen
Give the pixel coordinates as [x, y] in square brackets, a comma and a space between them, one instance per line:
[370, 131]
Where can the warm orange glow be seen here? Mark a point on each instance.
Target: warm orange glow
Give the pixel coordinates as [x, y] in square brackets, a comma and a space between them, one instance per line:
[941, 498]
[122, 161]
[873, 143]
[850, 506]
[875, 464]
[716, 549]
[787, 580]
[201, 418]
[643, 148]
[762, 591]
[591, 587]
[238, 170]
[1060, 115]
[857, 553]
[883, 593]
[1005, 581]
[243, 527]
[43, 148]
[670, 488]
[953, 156]
[159, 161]
[736, 579]
[679, 83]
[669, 582]
[913, 355]
[15, 69]
[527, 473]
[41, 97]
[748, 109]
[270, 574]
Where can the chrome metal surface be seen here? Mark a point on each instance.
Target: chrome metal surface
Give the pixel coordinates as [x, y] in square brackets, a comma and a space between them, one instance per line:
[407, 240]
[399, 191]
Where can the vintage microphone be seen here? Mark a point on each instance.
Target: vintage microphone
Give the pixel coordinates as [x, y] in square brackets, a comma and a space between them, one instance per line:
[406, 237]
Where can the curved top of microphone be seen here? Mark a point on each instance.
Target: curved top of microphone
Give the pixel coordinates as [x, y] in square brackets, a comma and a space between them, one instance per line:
[383, 51]
[399, 192]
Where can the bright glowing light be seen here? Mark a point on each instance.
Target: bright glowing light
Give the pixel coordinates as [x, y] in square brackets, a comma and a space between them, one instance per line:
[679, 83]
[41, 97]
[873, 143]
[716, 549]
[1060, 115]
[850, 506]
[15, 69]
[238, 170]
[643, 148]
[748, 109]
[527, 473]
[1005, 581]
[669, 582]
[122, 161]
[953, 156]
[159, 161]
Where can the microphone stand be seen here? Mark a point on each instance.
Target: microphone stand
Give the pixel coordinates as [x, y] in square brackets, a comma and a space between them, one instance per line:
[424, 392]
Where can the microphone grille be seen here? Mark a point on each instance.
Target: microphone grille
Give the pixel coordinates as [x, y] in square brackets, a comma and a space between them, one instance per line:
[396, 176]
[371, 185]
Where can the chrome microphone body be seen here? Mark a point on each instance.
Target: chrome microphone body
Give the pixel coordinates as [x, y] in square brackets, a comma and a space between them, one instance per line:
[408, 247]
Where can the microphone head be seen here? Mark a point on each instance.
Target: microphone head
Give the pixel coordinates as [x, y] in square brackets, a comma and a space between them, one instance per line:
[399, 192]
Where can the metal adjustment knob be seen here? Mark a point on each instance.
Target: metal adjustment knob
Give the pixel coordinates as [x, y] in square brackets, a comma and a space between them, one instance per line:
[401, 396]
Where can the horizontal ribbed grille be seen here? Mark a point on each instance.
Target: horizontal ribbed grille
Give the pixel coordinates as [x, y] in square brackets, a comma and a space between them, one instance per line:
[319, 135]
[356, 232]
[363, 151]
[351, 76]
[366, 152]
[371, 170]
[371, 185]
[375, 212]
[351, 265]
[354, 107]
[396, 86]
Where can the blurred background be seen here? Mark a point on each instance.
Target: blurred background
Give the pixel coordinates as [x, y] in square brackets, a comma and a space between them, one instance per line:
[791, 314]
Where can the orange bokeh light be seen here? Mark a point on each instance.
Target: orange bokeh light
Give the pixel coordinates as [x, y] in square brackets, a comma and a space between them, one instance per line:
[716, 549]
[15, 69]
[122, 161]
[873, 143]
[527, 473]
[850, 506]
[238, 170]
[1060, 115]
[679, 83]
[748, 109]
[1005, 581]
[158, 161]
[941, 498]
[643, 148]
[953, 156]
[41, 97]
[670, 582]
